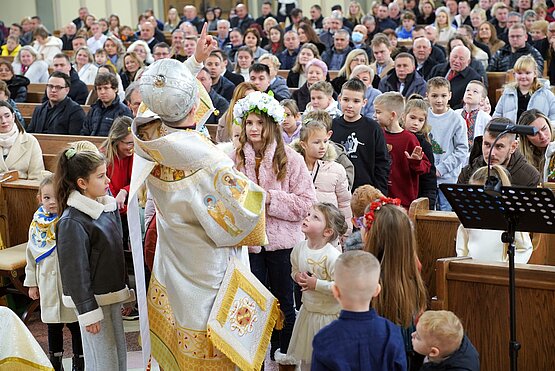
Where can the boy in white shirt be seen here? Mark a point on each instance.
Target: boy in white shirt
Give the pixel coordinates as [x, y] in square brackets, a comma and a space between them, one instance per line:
[321, 97]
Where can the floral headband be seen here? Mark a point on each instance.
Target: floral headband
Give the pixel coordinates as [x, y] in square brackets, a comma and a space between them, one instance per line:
[259, 103]
[369, 217]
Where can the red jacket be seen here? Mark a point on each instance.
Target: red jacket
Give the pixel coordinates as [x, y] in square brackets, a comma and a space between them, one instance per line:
[120, 176]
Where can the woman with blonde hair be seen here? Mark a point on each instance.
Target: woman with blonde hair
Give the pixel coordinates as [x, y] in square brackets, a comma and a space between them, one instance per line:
[355, 13]
[225, 123]
[132, 67]
[525, 93]
[538, 149]
[355, 58]
[84, 65]
[297, 75]
[142, 51]
[445, 30]
[487, 34]
[29, 64]
[173, 20]
[114, 50]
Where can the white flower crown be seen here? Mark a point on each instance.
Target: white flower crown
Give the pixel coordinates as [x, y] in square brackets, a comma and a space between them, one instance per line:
[258, 102]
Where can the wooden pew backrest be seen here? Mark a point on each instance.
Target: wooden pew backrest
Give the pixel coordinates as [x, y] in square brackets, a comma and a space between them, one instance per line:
[477, 292]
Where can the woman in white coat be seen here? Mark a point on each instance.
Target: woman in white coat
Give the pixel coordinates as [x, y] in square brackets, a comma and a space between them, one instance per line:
[84, 65]
[20, 150]
[47, 46]
[28, 63]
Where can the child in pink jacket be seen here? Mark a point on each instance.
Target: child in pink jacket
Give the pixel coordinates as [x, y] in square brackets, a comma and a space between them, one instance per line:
[282, 173]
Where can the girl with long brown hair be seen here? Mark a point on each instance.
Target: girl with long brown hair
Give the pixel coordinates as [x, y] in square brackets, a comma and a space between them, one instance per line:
[282, 173]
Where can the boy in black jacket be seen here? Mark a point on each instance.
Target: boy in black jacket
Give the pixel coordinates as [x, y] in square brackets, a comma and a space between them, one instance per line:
[440, 337]
[362, 138]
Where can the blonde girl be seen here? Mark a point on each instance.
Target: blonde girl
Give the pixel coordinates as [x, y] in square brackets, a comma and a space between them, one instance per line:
[415, 120]
[329, 177]
[355, 13]
[225, 123]
[42, 276]
[525, 93]
[445, 29]
[312, 268]
[485, 244]
[389, 235]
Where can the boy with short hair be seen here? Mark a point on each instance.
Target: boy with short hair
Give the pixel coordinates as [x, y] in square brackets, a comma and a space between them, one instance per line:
[404, 32]
[359, 339]
[362, 138]
[448, 136]
[101, 58]
[408, 161]
[259, 75]
[321, 97]
[475, 119]
[440, 337]
[106, 109]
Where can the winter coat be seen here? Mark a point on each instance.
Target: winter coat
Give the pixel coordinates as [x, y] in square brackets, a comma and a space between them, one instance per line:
[18, 88]
[330, 182]
[279, 87]
[90, 252]
[458, 83]
[87, 73]
[52, 47]
[78, 90]
[414, 83]
[505, 58]
[46, 276]
[64, 118]
[25, 156]
[302, 97]
[466, 358]
[37, 73]
[99, 120]
[328, 55]
[290, 198]
[523, 174]
[549, 152]
[343, 160]
[542, 100]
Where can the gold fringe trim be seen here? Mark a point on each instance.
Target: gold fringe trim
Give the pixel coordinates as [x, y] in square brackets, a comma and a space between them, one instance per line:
[18, 360]
[238, 280]
[260, 354]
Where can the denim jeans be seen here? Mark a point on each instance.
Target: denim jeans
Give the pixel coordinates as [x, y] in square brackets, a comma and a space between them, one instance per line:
[106, 350]
[442, 203]
[273, 269]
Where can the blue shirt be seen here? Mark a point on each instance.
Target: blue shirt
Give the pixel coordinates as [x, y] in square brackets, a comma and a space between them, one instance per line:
[359, 341]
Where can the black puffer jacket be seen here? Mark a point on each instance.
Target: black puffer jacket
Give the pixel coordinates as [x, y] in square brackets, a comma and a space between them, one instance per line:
[18, 88]
[99, 120]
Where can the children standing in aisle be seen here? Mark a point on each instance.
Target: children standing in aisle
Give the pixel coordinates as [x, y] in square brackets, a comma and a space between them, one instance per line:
[312, 268]
[360, 339]
[292, 123]
[42, 276]
[282, 173]
[475, 119]
[362, 138]
[329, 177]
[408, 161]
[415, 120]
[91, 258]
[388, 234]
[449, 136]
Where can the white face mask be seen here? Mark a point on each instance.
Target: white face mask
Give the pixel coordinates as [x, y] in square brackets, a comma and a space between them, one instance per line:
[357, 37]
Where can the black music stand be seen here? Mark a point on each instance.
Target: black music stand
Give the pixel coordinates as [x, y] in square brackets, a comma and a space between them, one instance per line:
[515, 209]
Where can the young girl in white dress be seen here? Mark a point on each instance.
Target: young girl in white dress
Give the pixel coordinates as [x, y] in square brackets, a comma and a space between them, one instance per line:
[313, 266]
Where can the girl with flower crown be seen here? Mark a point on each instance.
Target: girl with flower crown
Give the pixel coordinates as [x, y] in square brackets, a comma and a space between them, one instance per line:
[387, 233]
[282, 173]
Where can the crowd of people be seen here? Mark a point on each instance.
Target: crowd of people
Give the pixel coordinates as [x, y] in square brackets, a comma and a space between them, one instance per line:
[339, 160]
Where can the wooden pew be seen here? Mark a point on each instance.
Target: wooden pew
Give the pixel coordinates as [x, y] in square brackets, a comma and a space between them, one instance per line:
[8, 58]
[496, 80]
[52, 144]
[35, 92]
[27, 110]
[18, 203]
[477, 292]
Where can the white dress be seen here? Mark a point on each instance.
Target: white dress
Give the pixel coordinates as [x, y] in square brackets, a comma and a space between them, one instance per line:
[319, 307]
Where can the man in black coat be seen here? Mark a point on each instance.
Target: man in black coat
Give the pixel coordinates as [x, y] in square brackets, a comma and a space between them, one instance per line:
[220, 84]
[59, 114]
[266, 10]
[107, 108]
[242, 19]
[78, 91]
[422, 50]
[458, 72]
[220, 104]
